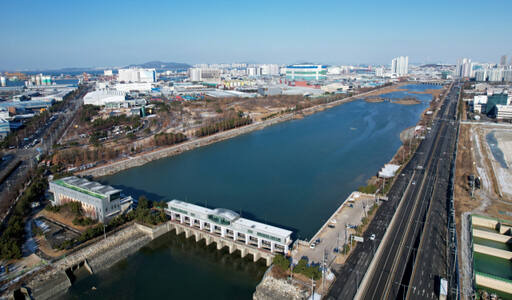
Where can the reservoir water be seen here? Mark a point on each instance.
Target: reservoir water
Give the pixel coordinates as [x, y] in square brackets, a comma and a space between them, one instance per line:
[291, 175]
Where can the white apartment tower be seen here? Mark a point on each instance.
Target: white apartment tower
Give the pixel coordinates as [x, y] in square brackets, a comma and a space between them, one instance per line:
[464, 68]
[400, 65]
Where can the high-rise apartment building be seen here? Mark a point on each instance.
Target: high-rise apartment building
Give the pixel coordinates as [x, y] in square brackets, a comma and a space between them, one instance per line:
[137, 75]
[503, 60]
[464, 67]
[400, 65]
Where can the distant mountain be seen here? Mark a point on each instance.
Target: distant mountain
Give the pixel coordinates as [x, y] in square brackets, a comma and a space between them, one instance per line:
[159, 65]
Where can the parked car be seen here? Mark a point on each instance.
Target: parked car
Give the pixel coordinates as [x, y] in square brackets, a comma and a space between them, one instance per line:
[372, 237]
[331, 226]
[312, 246]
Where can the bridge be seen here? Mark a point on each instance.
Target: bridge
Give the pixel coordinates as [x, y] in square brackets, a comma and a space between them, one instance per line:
[225, 228]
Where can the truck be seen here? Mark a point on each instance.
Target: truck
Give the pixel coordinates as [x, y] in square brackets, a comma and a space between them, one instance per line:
[443, 289]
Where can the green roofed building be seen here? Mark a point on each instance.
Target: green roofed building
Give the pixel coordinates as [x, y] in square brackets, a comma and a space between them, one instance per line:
[306, 72]
[492, 101]
[99, 202]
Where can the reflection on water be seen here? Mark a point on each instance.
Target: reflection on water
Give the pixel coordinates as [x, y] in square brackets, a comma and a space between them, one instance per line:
[174, 267]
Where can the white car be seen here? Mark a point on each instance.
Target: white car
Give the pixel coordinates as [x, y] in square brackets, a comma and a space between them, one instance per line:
[333, 221]
[312, 246]
[372, 237]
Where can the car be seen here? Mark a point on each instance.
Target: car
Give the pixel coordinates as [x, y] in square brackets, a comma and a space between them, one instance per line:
[317, 241]
[414, 182]
[331, 226]
[312, 246]
[372, 237]
[336, 250]
[333, 221]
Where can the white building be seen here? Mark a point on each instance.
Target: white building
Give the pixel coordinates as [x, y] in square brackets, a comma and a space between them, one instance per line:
[107, 72]
[400, 65]
[228, 224]
[102, 97]
[507, 75]
[481, 75]
[134, 86]
[137, 75]
[464, 68]
[379, 72]
[496, 75]
[99, 202]
[194, 74]
[270, 70]
[479, 103]
[503, 112]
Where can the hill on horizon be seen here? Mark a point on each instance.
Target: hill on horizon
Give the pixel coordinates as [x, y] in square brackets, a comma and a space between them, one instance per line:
[159, 65]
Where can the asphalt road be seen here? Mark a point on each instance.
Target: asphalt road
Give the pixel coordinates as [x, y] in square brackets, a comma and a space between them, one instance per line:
[416, 187]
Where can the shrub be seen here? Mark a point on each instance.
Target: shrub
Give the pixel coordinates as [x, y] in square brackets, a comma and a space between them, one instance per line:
[281, 261]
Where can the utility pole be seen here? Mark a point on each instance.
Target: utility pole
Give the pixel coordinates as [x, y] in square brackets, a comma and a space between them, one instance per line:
[324, 269]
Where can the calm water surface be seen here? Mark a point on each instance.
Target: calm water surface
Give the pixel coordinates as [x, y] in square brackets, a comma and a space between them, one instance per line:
[292, 175]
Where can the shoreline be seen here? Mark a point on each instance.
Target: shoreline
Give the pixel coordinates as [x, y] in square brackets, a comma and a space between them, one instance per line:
[146, 157]
[96, 257]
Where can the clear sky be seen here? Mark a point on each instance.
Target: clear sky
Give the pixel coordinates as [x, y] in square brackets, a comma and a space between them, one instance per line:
[69, 33]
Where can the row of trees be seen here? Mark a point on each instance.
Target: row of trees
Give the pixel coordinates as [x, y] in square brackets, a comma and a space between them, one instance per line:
[164, 139]
[223, 125]
[105, 124]
[87, 111]
[13, 233]
[78, 156]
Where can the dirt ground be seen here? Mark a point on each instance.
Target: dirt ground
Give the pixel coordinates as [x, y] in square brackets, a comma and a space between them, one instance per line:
[393, 88]
[473, 157]
[434, 92]
[62, 217]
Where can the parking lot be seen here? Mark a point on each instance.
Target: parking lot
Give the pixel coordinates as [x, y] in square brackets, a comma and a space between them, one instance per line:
[337, 229]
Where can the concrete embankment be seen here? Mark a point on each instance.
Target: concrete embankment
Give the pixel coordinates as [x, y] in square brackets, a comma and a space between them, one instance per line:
[96, 257]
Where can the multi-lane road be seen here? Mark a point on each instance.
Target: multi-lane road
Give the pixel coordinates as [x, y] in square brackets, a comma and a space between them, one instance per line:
[418, 198]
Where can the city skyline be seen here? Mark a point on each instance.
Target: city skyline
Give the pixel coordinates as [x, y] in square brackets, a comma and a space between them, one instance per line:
[57, 34]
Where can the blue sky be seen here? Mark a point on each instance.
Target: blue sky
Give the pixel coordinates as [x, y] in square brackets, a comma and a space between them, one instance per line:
[55, 34]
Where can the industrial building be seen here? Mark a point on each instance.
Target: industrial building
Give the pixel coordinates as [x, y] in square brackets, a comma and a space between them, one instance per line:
[99, 202]
[137, 75]
[493, 100]
[306, 72]
[503, 112]
[133, 86]
[228, 224]
[102, 97]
